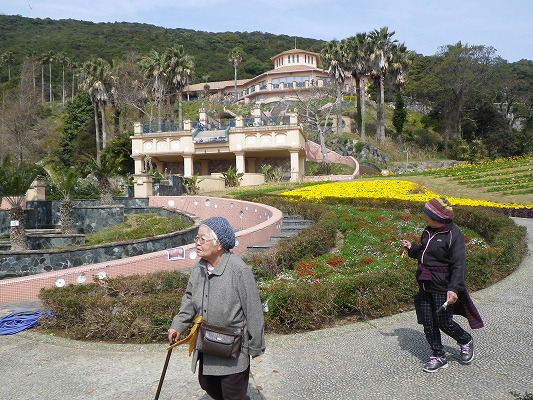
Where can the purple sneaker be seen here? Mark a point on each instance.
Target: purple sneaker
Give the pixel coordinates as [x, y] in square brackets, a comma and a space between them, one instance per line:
[435, 363]
[467, 352]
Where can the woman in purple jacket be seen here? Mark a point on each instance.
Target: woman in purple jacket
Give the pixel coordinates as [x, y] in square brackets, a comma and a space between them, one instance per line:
[441, 272]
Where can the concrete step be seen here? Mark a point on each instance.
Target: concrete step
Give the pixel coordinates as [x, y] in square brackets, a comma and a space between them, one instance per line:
[291, 225]
[283, 235]
[257, 248]
[40, 232]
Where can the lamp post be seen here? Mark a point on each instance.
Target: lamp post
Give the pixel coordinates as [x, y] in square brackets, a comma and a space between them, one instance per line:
[406, 151]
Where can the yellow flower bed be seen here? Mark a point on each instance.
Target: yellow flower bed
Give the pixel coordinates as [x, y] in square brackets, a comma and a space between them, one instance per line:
[385, 189]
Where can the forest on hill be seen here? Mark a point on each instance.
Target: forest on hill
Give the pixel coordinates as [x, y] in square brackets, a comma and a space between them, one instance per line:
[464, 102]
[82, 41]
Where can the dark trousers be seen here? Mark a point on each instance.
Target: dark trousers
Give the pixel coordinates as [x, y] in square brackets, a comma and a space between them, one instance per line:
[224, 387]
[434, 322]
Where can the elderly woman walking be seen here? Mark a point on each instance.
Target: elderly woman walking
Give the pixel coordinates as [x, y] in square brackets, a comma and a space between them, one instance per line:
[222, 290]
[441, 273]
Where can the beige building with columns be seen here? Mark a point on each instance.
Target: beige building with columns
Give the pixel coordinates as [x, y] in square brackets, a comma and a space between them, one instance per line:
[208, 153]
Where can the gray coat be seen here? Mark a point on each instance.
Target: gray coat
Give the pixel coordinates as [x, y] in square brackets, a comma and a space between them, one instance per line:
[226, 297]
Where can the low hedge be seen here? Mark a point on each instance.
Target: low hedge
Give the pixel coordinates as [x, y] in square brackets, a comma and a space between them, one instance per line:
[136, 308]
[140, 308]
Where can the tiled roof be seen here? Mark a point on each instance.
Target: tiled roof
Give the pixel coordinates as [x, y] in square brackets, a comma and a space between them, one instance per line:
[216, 85]
[295, 67]
[295, 51]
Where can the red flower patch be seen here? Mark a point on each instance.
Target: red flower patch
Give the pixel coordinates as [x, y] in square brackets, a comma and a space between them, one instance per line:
[306, 268]
[334, 260]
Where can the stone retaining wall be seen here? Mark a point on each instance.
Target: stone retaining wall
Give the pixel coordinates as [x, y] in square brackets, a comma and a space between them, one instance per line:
[17, 264]
[89, 215]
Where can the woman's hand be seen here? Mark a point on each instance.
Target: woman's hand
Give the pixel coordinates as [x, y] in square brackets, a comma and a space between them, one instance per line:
[406, 244]
[173, 335]
[451, 297]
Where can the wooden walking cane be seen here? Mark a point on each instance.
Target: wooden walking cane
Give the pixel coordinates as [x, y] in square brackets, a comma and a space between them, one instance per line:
[191, 338]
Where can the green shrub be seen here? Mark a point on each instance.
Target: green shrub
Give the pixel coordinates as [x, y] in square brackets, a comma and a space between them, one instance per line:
[136, 308]
[302, 306]
[232, 178]
[191, 185]
[300, 292]
[272, 174]
[137, 226]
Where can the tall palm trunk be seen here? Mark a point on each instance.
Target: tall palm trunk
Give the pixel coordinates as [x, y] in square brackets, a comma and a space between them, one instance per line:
[381, 110]
[235, 82]
[42, 84]
[66, 217]
[180, 110]
[360, 89]
[72, 92]
[339, 109]
[17, 233]
[97, 130]
[106, 192]
[50, 79]
[104, 128]
[363, 110]
[63, 87]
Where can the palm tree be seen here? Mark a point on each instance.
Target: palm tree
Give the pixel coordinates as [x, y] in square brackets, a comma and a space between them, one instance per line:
[49, 58]
[357, 53]
[32, 56]
[235, 58]
[63, 60]
[380, 60]
[154, 67]
[65, 182]
[43, 60]
[8, 59]
[73, 65]
[179, 71]
[401, 58]
[103, 169]
[95, 76]
[333, 57]
[15, 180]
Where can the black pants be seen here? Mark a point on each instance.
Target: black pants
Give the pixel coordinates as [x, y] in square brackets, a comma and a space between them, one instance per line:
[224, 387]
[434, 322]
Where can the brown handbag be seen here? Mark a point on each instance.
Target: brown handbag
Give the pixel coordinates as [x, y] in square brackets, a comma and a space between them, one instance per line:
[219, 341]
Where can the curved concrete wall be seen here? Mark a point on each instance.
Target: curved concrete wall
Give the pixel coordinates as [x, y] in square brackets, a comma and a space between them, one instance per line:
[256, 223]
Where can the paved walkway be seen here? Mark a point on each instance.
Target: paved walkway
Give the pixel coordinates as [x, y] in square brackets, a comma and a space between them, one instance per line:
[378, 359]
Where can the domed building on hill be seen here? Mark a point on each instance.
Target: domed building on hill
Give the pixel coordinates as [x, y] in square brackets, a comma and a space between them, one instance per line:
[295, 72]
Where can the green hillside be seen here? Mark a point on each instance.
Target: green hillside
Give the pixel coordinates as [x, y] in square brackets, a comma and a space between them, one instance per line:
[83, 41]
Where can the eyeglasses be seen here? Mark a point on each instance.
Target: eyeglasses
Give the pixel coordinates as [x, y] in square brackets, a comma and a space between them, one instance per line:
[201, 240]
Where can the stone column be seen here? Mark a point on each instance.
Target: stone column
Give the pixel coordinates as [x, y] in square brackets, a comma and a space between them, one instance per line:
[137, 128]
[251, 164]
[256, 113]
[143, 185]
[202, 117]
[187, 165]
[239, 161]
[204, 167]
[37, 190]
[295, 165]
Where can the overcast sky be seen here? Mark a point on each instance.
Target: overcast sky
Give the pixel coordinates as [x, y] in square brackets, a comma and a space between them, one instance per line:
[423, 25]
